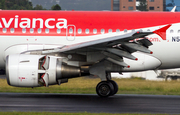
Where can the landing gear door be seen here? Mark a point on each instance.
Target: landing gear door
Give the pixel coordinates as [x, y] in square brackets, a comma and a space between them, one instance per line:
[71, 32]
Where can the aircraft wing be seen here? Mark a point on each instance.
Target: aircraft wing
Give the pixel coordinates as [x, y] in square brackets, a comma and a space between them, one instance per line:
[126, 43]
[103, 44]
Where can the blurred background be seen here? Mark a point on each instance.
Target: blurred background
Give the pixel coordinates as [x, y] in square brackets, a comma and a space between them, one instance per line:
[93, 5]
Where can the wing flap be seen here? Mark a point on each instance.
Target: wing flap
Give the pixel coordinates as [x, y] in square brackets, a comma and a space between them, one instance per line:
[121, 53]
[136, 47]
[118, 62]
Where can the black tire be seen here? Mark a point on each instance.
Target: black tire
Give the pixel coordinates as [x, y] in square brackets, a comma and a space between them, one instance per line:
[105, 89]
[115, 85]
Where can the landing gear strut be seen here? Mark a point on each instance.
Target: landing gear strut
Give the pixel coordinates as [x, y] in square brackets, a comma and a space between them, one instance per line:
[107, 88]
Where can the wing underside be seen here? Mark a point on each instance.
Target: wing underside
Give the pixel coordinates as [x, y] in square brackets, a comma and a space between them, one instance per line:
[114, 48]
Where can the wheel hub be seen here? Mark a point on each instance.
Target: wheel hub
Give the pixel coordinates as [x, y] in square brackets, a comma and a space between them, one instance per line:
[104, 90]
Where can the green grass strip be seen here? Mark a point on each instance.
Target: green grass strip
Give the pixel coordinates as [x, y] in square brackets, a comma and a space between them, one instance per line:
[88, 86]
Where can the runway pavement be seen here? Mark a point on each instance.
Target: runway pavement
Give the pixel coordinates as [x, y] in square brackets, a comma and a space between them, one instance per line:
[89, 103]
[2, 77]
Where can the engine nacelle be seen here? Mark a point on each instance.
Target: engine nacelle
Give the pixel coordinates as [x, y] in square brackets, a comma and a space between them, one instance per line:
[38, 70]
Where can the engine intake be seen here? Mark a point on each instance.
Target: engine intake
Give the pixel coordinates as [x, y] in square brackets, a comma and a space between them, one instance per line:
[38, 70]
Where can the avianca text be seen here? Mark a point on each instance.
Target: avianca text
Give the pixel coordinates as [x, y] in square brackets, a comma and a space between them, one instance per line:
[17, 22]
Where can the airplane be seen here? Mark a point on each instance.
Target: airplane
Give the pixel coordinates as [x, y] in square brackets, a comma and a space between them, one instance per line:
[42, 48]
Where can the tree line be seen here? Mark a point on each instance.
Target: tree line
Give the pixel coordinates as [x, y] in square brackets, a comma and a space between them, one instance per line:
[23, 5]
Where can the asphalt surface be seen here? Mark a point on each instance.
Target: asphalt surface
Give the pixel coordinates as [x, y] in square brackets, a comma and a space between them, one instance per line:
[89, 103]
[2, 77]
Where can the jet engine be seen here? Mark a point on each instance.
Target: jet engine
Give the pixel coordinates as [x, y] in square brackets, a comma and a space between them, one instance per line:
[38, 70]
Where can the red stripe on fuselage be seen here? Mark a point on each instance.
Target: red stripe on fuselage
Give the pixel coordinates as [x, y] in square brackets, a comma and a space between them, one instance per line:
[85, 20]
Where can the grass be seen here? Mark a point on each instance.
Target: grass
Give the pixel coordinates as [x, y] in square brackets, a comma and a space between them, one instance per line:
[87, 86]
[51, 113]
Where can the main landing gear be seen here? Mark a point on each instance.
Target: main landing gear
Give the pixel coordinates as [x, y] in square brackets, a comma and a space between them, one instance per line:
[107, 88]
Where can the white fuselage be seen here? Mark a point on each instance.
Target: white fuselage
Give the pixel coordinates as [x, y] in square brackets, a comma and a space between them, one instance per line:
[166, 51]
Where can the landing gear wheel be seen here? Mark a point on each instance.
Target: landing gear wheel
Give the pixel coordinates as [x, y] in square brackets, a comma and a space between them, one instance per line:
[115, 85]
[105, 89]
